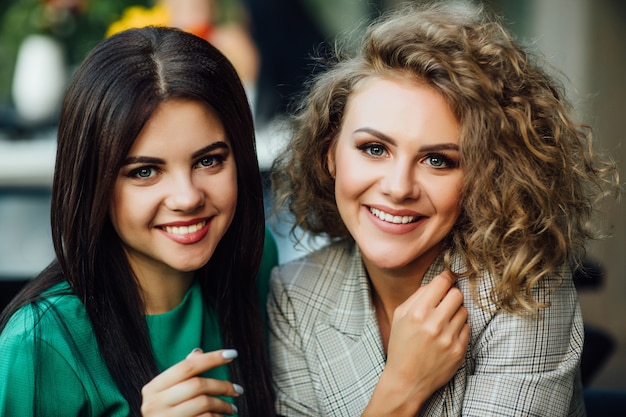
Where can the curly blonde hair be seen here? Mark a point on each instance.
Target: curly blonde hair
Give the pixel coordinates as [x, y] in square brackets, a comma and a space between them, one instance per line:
[531, 177]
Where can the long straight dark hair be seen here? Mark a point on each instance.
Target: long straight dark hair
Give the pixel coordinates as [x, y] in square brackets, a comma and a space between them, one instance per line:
[111, 96]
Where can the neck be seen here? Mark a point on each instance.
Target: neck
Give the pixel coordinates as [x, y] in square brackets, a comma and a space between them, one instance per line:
[394, 286]
[391, 288]
[163, 292]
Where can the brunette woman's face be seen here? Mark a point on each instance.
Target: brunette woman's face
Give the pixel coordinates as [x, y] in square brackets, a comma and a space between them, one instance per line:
[176, 194]
[397, 175]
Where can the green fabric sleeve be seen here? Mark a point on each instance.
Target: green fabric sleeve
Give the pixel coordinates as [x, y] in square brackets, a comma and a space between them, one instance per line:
[41, 378]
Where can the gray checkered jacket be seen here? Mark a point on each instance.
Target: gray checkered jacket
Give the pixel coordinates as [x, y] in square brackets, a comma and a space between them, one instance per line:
[327, 354]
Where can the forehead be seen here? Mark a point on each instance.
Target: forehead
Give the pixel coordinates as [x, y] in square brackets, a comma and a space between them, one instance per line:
[178, 123]
[400, 107]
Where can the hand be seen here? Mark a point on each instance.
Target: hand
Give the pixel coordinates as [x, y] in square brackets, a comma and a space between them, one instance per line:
[179, 391]
[427, 345]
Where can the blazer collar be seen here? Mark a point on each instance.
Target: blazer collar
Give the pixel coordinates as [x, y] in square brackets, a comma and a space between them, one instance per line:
[354, 311]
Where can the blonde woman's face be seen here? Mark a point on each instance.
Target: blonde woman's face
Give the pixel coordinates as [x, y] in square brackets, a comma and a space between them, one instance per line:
[397, 174]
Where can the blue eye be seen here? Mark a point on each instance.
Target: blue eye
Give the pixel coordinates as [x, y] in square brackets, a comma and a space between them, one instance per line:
[373, 149]
[210, 161]
[143, 172]
[207, 161]
[440, 161]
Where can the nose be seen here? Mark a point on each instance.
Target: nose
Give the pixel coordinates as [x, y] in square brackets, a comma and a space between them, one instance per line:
[184, 195]
[400, 181]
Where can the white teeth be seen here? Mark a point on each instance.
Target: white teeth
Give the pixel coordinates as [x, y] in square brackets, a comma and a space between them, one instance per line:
[184, 230]
[392, 219]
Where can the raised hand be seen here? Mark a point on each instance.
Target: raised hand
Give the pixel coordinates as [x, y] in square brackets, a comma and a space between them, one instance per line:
[180, 391]
[427, 344]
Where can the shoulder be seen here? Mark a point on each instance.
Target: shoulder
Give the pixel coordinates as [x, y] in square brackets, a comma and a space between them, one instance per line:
[316, 283]
[555, 292]
[37, 338]
[326, 266]
[559, 317]
[54, 320]
[57, 301]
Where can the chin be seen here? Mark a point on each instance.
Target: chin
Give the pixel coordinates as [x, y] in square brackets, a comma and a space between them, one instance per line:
[388, 262]
[189, 267]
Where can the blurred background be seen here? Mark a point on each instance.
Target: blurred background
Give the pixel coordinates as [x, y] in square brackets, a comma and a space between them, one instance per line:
[270, 43]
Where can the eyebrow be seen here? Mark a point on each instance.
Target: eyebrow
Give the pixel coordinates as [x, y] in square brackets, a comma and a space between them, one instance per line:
[426, 148]
[158, 161]
[210, 148]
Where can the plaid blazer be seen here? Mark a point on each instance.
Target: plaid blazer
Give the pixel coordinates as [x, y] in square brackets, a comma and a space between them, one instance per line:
[327, 354]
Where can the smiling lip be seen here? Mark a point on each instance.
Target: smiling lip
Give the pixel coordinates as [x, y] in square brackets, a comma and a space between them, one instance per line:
[394, 221]
[186, 232]
[394, 216]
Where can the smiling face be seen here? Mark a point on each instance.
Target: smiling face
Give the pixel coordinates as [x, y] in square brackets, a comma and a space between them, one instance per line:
[176, 194]
[397, 179]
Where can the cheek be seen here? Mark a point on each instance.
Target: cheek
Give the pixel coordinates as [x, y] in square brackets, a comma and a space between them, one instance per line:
[127, 211]
[227, 194]
[231, 202]
[449, 200]
[349, 176]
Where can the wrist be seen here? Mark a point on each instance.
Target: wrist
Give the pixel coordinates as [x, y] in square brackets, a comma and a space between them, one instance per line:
[394, 398]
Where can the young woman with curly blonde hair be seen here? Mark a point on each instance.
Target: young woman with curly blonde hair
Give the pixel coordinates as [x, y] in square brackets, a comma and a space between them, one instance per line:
[443, 164]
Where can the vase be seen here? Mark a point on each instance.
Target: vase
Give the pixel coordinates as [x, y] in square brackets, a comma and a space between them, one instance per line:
[39, 79]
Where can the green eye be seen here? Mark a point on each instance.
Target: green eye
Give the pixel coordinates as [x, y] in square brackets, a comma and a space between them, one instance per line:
[436, 161]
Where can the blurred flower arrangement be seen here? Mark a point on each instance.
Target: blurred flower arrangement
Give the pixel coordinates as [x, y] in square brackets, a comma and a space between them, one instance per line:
[76, 24]
[136, 16]
[213, 20]
[139, 16]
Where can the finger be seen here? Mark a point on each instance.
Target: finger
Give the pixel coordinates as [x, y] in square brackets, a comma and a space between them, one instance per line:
[464, 336]
[205, 404]
[197, 406]
[197, 386]
[188, 392]
[431, 294]
[457, 322]
[457, 328]
[195, 364]
[450, 304]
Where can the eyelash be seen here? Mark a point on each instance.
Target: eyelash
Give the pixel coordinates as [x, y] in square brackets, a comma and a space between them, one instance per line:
[367, 147]
[447, 162]
[135, 172]
[217, 160]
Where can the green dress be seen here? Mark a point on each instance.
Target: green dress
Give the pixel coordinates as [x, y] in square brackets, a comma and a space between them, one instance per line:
[74, 380]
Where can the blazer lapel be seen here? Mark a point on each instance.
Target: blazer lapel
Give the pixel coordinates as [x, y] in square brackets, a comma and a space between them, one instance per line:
[351, 355]
[350, 348]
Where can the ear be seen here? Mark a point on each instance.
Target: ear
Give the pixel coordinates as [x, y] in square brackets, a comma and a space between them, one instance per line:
[330, 160]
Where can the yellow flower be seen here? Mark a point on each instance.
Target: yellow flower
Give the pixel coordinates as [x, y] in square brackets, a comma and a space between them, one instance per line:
[138, 17]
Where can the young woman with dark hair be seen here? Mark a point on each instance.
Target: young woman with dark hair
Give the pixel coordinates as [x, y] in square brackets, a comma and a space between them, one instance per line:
[158, 228]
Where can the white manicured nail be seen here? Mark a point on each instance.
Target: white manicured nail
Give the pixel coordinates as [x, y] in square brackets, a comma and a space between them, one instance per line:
[229, 354]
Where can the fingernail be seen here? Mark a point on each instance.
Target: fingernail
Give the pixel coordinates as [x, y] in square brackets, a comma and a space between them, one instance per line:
[235, 410]
[193, 352]
[238, 389]
[229, 354]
